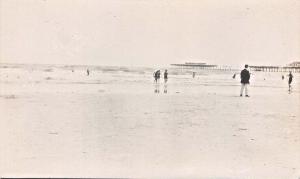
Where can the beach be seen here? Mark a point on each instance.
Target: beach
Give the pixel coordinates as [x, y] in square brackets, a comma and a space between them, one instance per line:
[58, 121]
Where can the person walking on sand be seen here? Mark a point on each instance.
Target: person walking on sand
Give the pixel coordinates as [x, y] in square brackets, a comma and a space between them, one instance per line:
[290, 80]
[245, 77]
[87, 72]
[165, 80]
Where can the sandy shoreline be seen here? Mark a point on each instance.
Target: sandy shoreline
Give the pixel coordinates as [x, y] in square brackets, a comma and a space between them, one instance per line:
[125, 130]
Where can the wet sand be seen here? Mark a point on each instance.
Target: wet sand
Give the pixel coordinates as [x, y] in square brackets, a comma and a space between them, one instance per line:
[115, 129]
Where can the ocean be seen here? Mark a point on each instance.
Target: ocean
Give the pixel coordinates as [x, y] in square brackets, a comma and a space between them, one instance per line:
[134, 79]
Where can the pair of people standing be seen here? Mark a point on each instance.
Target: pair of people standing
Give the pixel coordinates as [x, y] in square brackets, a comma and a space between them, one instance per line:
[156, 76]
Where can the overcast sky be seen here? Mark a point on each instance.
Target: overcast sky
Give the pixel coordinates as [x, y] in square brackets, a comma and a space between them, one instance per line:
[150, 32]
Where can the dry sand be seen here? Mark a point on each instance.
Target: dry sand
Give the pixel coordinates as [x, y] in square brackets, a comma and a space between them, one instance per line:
[99, 126]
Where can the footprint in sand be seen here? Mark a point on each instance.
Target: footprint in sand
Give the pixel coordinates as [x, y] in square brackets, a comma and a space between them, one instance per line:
[9, 97]
[242, 129]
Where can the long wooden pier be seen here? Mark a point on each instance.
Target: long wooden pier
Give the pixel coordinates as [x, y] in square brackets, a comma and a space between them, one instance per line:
[204, 66]
[275, 69]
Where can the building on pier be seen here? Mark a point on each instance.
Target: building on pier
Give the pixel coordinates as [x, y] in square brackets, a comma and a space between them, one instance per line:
[196, 66]
[294, 64]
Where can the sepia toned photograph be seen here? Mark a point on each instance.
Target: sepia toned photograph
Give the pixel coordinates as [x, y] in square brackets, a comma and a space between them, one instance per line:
[206, 89]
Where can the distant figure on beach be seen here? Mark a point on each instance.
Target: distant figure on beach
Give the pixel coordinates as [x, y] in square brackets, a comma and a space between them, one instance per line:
[290, 80]
[156, 76]
[156, 80]
[234, 76]
[166, 76]
[245, 77]
[194, 74]
[87, 72]
[282, 77]
[165, 80]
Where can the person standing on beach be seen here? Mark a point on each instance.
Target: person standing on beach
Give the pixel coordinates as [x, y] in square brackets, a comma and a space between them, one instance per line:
[165, 80]
[87, 72]
[290, 80]
[156, 76]
[234, 76]
[156, 80]
[166, 76]
[245, 77]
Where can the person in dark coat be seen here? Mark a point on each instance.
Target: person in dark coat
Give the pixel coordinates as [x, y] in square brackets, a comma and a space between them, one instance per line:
[245, 77]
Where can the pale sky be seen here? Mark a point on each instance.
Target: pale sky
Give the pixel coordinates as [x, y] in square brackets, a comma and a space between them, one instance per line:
[150, 32]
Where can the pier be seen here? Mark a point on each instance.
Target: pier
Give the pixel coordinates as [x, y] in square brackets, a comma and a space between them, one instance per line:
[275, 69]
[293, 67]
